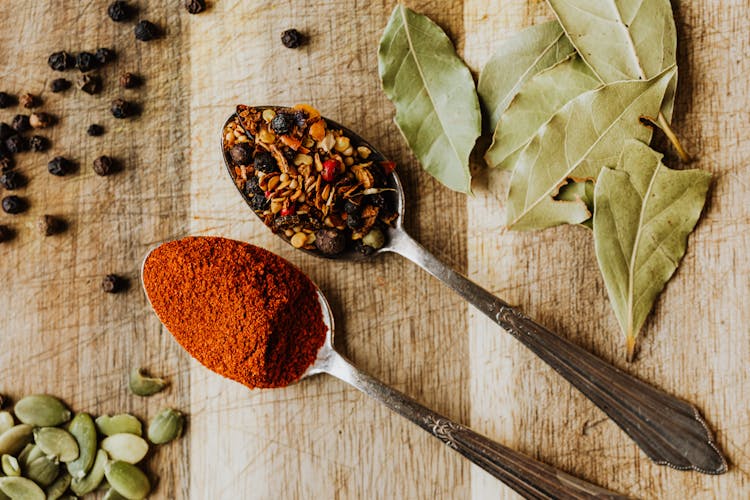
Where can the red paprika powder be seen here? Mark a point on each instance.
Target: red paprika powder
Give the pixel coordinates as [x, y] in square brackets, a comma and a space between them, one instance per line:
[240, 310]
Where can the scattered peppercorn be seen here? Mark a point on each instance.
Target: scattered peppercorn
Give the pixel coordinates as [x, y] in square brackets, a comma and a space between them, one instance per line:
[146, 31]
[28, 100]
[6, 100]
[113, 283]
[252, 187]
[86, 61]
[351, 207]
[103, 165]
[300, 118]
[59, 166]
[241, 153]
[129, 80]
[330, 241]
[265, 162]
[104, 55]
[195, 6]
[49, 225]
[259, 202]
[60, 61]
[120, 11]
[41, 120]
[21, 123]
[91, 84]
[6, 234]
[282, 123]
[292, 38]
[59, 85]
[6, 162]
[95, 130]
[121, 108]
[6, 131]
[16, 144]
[13, 204]
[38, 143]
[354, 221]
[12, 180]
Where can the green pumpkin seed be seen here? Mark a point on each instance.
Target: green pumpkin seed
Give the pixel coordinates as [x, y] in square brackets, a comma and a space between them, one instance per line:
[166, 426]
[20, 488]
[83, 430]
[23, 457]
[3, 496]
[119, 424]
[56, 442]
[43, 470]
[142, 385]
[6, 421]
[84, 485]
[34, 453]
[125, 447]
[14, 439]
[41, 410]
[127, 479]
[111, 494]
[10, 466]
[59, 487]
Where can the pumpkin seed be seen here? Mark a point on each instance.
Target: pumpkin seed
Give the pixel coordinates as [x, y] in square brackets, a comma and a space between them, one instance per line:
[56, 442]
[142, 385]
[10, 466]
[112, 494]
[166, 426]
[41, 410]
[59, 487]
[6, 421]
[43, 470]
[20, 488]
[119, 424]
[3, 496]
[127, 479]
[14, 439]
[83, 430]
[23, 457]
[125, 447]
[84, 485]
[68, 497]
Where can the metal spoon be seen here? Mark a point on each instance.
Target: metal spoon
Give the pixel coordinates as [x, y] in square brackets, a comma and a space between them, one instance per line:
[669, 430]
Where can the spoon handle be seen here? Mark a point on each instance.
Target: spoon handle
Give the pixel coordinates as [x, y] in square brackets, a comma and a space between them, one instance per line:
[669, 430]
[529, 477]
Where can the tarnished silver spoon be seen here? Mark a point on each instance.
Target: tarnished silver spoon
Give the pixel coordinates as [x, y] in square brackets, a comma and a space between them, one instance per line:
[669, 430]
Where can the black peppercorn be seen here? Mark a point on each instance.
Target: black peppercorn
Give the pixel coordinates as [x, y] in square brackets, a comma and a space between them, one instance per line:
[376, 200]
[354, 221]
[16, 144]
[41, 120]
[6, 162]
[12, 180]
[28, 100]
[129, 80]
[113, 283]
[21, 123]
[259, 202]
[195, 6]
[13, 205]
[38, 143]
[120, 11]
[6, 131]
[103, 165]
[292, 39]
[241, 153]
[60, 61]
[351, 207]
[59, 85]
[146, 31]
[121, 108]
[300, 118]
[59, 166]
[330, 241]
[104, 56]
[265, 162]
[282, 123]
[6, 234]
[49, 225]
[252, 188]
[91, 84]
[95, 130]
[6, 100]
[86, 61]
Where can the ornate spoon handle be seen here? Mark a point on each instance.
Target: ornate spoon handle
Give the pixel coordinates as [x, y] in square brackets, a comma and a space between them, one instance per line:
[669, 430]
[527, 476]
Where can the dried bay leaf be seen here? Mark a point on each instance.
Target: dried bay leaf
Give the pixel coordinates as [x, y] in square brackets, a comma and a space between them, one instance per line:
[585, 135]
[517, 60]
[537, 100]
[437, 108]
[644, 214]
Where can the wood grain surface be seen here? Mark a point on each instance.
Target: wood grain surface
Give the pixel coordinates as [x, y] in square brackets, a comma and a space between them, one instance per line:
[321, 439]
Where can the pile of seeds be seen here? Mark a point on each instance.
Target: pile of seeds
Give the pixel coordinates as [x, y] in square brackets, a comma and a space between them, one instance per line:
[52, 453]
[309, 182]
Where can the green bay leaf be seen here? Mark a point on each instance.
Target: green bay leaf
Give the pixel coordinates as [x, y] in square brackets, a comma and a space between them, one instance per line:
[537, 100]
[643, 215]
[437, 108]
[518, 59]
[585, 135]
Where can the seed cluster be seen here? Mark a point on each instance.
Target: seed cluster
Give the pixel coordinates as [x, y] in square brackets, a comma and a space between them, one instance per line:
[309, 182]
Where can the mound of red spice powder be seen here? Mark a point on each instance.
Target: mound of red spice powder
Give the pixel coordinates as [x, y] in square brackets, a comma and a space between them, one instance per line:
[240, 310]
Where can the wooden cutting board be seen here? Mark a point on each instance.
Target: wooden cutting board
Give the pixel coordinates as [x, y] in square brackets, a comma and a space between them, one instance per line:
[320, 439]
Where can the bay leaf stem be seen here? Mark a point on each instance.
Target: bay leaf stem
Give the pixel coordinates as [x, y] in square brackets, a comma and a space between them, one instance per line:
[664, 125]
